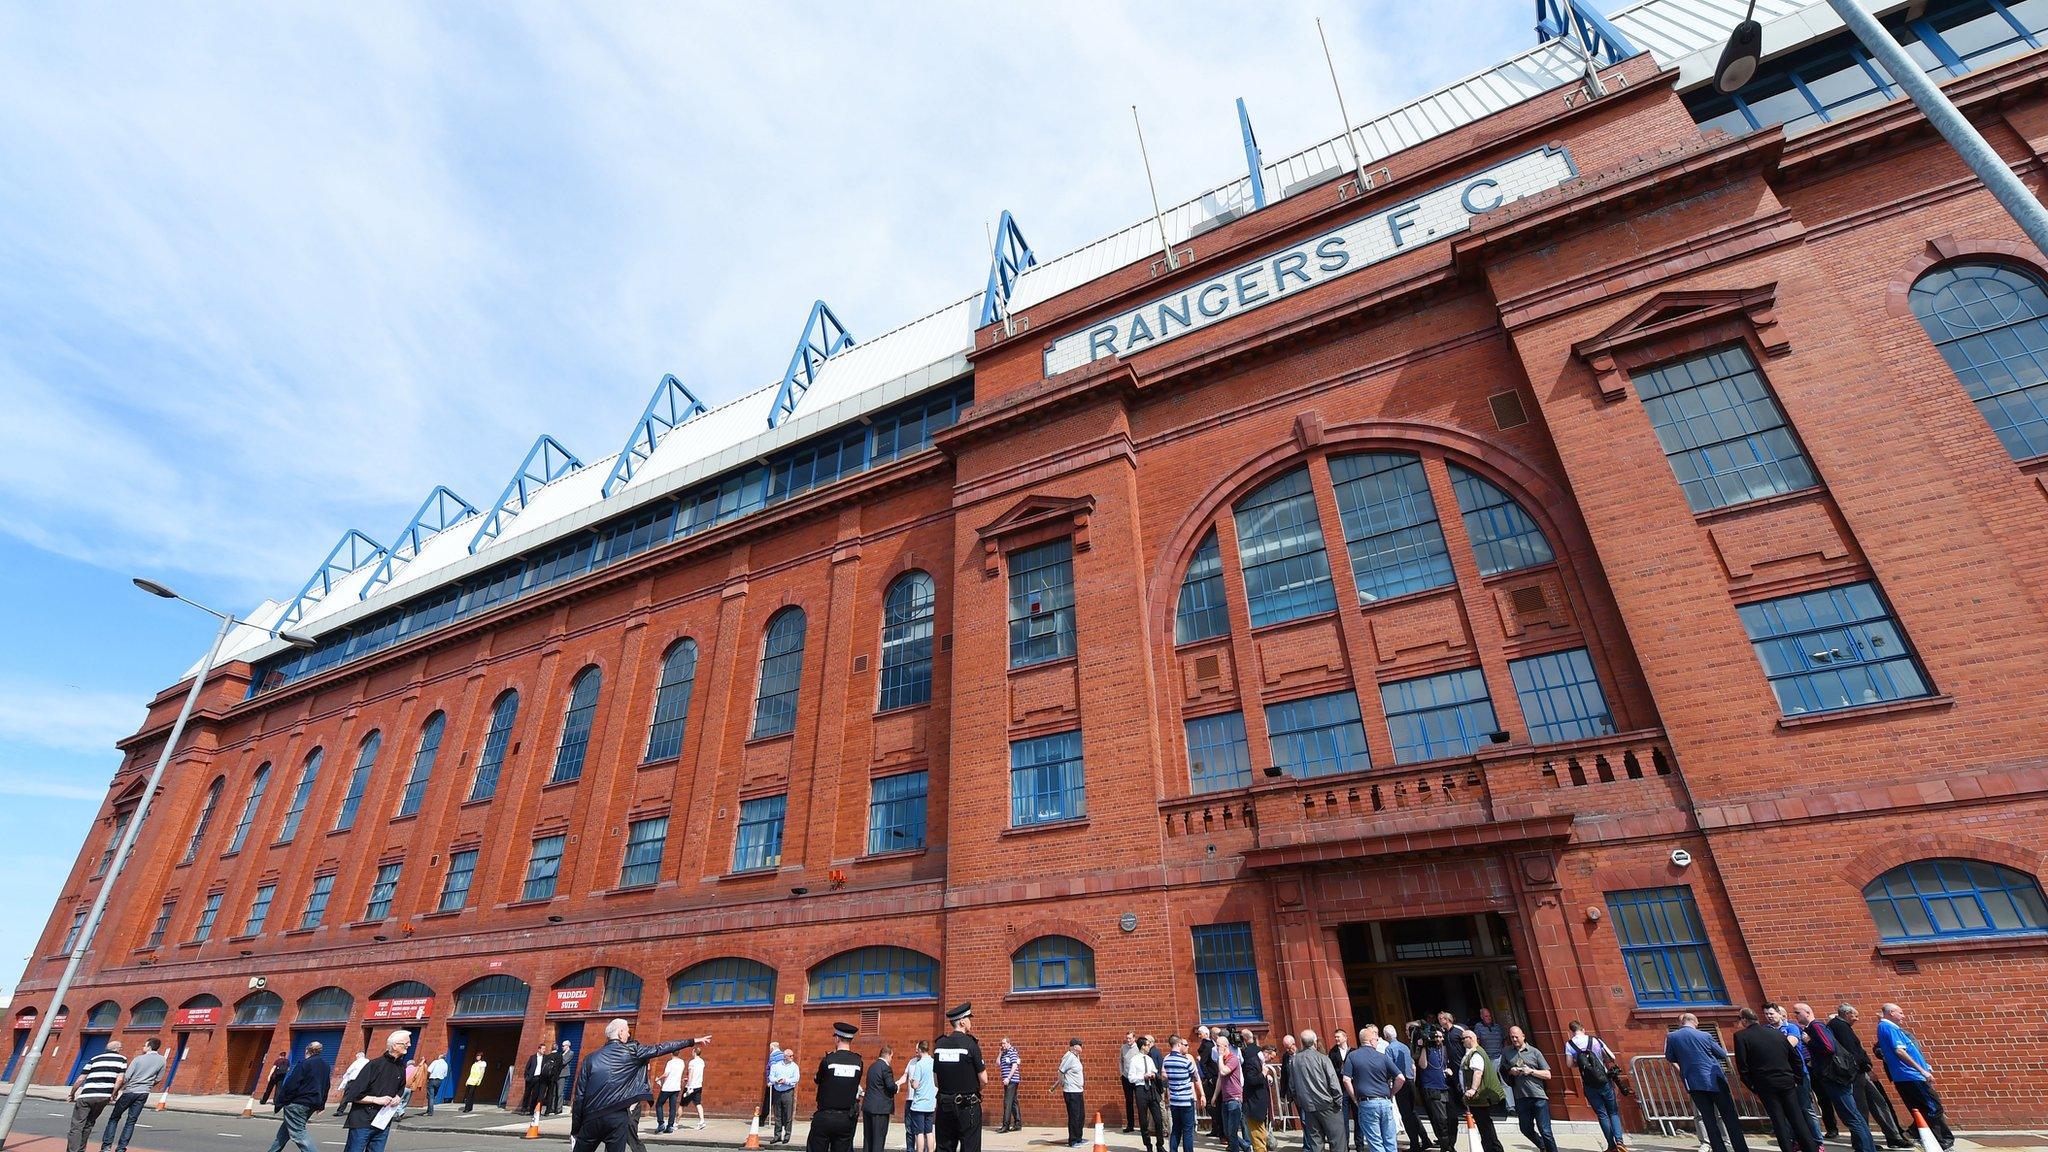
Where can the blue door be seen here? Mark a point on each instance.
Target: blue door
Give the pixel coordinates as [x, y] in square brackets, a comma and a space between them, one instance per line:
[177, 1057]
[572, 1031]
[89, 1045]
[329, 1040]
[21, 1036]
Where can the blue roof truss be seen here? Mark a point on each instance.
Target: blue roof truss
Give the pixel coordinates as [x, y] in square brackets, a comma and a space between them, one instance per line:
[440, 511]
[1579, 22]
[546, 462]
[1012, 255]
[353, 551]
[824, 337]
[670, 406]
[1251, 156]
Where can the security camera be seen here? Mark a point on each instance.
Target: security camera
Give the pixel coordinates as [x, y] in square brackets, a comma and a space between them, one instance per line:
[258, 982]
[1680, 858]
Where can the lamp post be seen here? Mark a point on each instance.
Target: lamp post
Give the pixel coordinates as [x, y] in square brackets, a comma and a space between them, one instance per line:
[26, 1072]
[1745, 49]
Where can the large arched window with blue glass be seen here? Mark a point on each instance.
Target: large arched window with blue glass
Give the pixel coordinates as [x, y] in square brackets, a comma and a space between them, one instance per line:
[727, 982]
[1052, 964]
[1990, 322]
[877, 973]
[672, 701]
[782, 672]
[908, 611]
[576, 723]
[1931, 899]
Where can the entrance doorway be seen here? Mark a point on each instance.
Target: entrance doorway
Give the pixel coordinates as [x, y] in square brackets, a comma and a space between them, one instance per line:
[1402, 970]
[498, 1044]
[91, 1045]
[572, 1032]
[21, 1036]
[248, 1057]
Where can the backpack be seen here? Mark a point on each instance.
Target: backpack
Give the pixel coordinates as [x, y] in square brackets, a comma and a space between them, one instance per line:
[1591, 1061]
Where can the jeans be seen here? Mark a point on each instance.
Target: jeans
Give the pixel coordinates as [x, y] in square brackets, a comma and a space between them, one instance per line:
[1716, 1108]
[1919, 1096]
[1377, 1124]
[1183, 1137]
[1842, 1099]
[367, 1139]
[1807, 1106]
[84, 1114]
[128, 1104]
[1875, 1105]
[1533, 1112]
[293, 1128]
[1012, 1119]
[433, 1094]
[1235, 1137]
[1608, 1109]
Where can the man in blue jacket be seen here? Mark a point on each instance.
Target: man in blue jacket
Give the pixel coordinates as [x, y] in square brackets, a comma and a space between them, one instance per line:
[303, 1092]
[1701, 1064]
[614, 1079]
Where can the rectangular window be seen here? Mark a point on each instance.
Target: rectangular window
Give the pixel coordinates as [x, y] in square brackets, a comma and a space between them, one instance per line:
[1390, 525]
[300, 795]
[1665, 948]
[77, 926]
[1046, 780]
[316, 901]
[381, 892]
[542, 868]
[1727, 441]
[896, 812]
[1561, 698]
[207, 912]
[1042, 603]
[163, 924]
[1226, 975]
[1437, 716]
[645, 840]
[114, 842]
[758, 844]
[1319, 736]
[455, 888]
[1832, 649]
[1219, 756]
[259, 910]
[1280, 550]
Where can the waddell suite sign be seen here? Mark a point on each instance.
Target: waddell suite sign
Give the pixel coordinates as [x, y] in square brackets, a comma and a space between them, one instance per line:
[1437, 214]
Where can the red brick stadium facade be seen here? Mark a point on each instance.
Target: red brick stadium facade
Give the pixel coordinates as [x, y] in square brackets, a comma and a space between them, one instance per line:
[1524, 353]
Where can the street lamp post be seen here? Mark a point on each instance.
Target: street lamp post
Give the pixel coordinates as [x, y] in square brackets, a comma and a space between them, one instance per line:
[1745, 49]
[25, 1074]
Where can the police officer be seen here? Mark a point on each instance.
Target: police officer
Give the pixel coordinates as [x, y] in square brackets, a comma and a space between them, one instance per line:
[838, 1082]
[960, 1076]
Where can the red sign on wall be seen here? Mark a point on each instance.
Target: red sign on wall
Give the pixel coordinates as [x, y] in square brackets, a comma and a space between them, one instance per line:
[59, 1021]
[402, 1008]
[196, 1018]
[572, 1000]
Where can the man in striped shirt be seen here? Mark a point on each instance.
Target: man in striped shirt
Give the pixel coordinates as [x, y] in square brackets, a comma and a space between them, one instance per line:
[1010, 1065]
[94, 1089]
[1184, 1095]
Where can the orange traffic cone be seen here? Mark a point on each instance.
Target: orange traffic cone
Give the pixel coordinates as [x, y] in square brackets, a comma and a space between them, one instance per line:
[163, 1100]
[249, 1107]
[1471, 1133]
[1099, 1145]
[753, 1131]
[1927, 1141]
[533, 1126]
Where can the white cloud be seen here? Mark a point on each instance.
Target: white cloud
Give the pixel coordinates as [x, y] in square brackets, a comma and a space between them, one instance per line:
[64, 719]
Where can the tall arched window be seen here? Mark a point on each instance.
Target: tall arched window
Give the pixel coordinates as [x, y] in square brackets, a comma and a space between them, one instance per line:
[102, 1016]
[264, 1007]
[205, 818]
[1504, 537]
[151, 1013]
[422, 765]
[1051, 963]
[499, 995]
[326, 1006]
[1201, 612]
[576, 725]
[782, 669]
[672, 701]
[876, 973]
[1933, 898]
[249, 806]
[1390, 525]
[907, 613]
[1990, 322]
[1280, 551]
[308, 775]
[729, 981]
[358, 781]
[492, 758]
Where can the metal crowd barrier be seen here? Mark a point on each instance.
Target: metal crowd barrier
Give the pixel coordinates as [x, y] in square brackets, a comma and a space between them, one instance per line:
[1664, 1102]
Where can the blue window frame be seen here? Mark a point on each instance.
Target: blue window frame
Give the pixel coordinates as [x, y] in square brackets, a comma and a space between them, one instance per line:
[1928, 899]
[316, 901]
[326, 1006]
[576, 723]
[1227, 974]
[1047, 780]
[908, 610]
[120, 828]
[422, 765]
[1390, 525]
[543, 868]
[1561, 697]
[1219, 756]
[645, 842]
[207, 912]
[1201, 612]
[672, 701]
[1990, 322]
[499, 995]
[1432, 717]
[782, 673]
[358, 781]
[382, 890]
[260, 1008]
[1280, 551]
[491, 761]
[1664, 947]
[163, 924]
[1042, 603]
[757, 844]
[78, 916]
[455, 886]
[621, 991]
[727, 982]
[1831, 649]
[241, 836]
[896, 812]
[1317, 736]
[151, 1013]
[205, 820]
[1504, 536]
[300, 796]
[259, 910]
[877, 973]
[1722, 431]
[1051, 964]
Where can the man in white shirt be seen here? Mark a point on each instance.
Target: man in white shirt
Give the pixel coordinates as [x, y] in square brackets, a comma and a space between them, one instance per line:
[671, 1092]
[693, 1087]
[436, 1073]
[348, 1077]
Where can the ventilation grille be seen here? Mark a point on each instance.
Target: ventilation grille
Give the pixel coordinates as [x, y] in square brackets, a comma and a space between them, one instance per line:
[1507, 410]
[871, 1021]
[860, 663]
[1208, 667]
[1528, 601]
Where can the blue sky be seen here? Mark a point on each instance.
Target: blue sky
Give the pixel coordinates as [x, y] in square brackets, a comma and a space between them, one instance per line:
[267, 273]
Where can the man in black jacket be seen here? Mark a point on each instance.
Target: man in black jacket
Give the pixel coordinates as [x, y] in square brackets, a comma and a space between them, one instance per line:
[536, 1072]
[380, 1084]
[302, 1092]
[1870, 1099]
[1763, 1058]
[878, 1103]
[612, 1080]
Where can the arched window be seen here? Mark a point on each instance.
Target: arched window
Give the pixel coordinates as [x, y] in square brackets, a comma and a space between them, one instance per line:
[492, 758]
[1201, 612]
[249, 806]
[672, 701]
[151, 1013]
[403, 990]
[1504, 537]
[576, 725]
[620, 988]
[1280, 551]
[203, 1000]
[422, 765]
[1390, 524]
[300, 795]
[102, 1016]
[1932, 898]
[259, 1008]
[205, 818]
[782, 669]
[1050, 963]
[876, 973]
[499, 995]
[907, 613]
[358, 781]
[1990, 322]
[727, 982]
[325, 1006]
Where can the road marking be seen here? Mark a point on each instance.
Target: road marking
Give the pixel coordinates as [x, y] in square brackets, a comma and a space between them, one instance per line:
[230, 1135]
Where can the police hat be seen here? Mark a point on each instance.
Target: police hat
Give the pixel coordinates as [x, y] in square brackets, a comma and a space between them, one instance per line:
[845, 1031]
[961, 1013]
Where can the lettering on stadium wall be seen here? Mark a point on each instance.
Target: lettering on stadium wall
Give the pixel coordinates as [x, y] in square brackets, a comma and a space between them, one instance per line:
[1437, 214]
